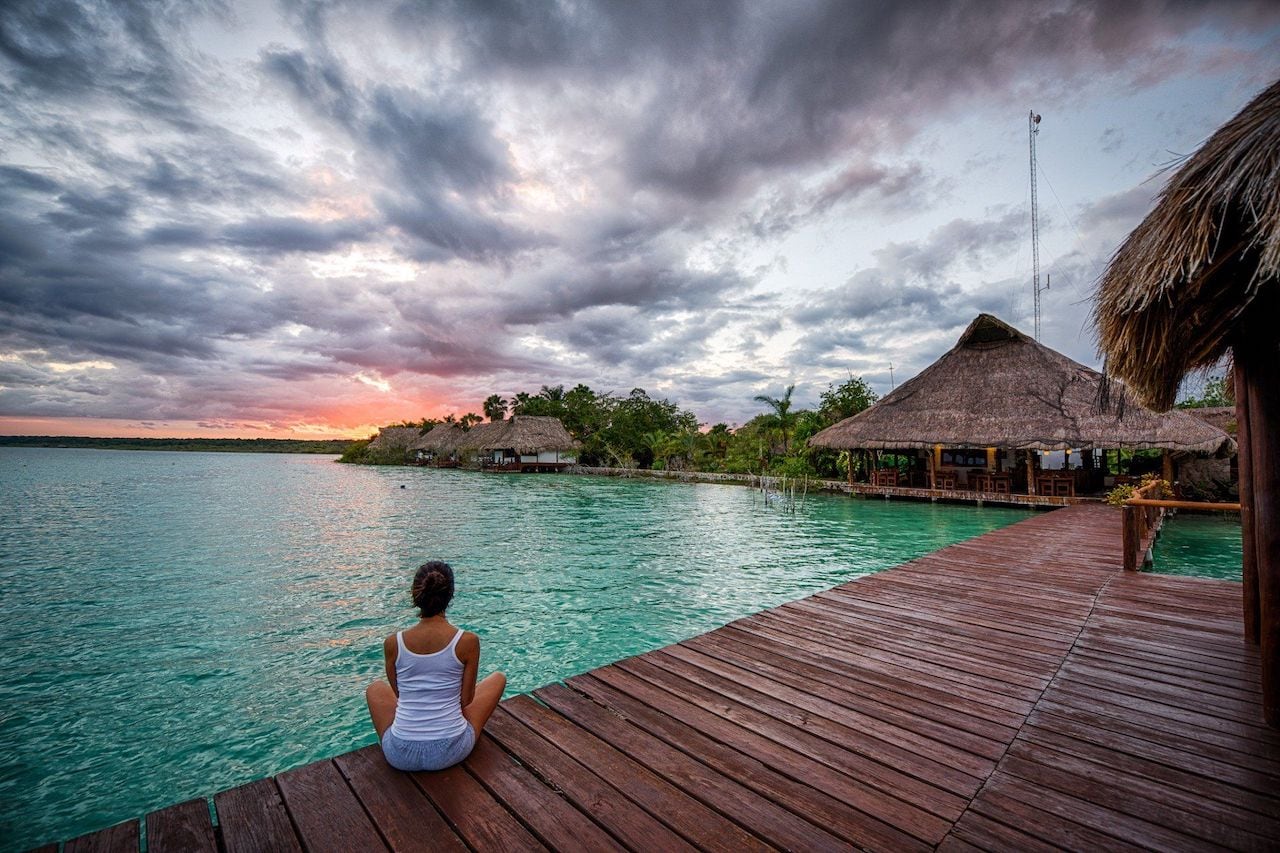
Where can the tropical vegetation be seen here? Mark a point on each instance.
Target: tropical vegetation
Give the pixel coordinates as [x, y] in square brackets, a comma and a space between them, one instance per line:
[637, 430]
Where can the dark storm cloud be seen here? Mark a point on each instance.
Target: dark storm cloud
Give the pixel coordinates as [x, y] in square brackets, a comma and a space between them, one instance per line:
[433, 152]
[112, 53]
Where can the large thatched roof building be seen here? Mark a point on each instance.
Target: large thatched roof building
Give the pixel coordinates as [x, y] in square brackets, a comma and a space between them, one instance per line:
[1200, 278]
[1000, 388]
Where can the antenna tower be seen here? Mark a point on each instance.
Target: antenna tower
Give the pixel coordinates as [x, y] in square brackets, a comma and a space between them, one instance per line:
[1033, 129]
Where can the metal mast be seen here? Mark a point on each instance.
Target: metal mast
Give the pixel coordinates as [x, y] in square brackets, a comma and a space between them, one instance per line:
[1033, 128]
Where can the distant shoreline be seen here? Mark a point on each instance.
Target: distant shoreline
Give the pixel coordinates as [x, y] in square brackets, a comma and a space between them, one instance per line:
[207, 445]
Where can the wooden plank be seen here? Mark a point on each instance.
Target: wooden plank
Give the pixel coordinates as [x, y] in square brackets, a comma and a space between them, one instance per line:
[899, 800]
[551, 817]
[993, 805]
[325, 811]
[844, 806]
[121, 838]
[182, 827]
[850, 668]
[630, 824]
[1170, 807]
[927, 759]
[703, 827]
[728, 796]
[404, 816]
[1245, 805]
[252, 818]
[971, 733]
[480, 820]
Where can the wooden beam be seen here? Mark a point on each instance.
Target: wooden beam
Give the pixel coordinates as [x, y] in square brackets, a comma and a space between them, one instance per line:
[1262, 382]
[1249, 567]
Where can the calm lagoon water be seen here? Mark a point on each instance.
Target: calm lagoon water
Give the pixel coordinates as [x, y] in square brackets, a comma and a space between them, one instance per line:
[178, 623]
[1199, 545]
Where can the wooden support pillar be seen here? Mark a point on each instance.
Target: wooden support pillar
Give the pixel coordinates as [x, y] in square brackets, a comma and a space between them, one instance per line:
[1244, 458]
[1166, 467]
[932, 475]
[1257, 366]
[1031, 472]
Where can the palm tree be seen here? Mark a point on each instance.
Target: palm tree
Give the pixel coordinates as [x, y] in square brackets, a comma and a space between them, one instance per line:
[495, 407]
[469, 420]
[781, 412]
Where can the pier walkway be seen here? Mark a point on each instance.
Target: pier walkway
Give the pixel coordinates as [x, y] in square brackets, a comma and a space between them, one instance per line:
[1016, 691]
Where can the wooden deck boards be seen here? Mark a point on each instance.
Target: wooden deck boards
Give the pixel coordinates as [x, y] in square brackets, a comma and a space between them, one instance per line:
[1016, 691]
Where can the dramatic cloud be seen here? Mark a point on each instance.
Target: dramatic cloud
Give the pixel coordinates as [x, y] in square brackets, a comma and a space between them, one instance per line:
[321, 216]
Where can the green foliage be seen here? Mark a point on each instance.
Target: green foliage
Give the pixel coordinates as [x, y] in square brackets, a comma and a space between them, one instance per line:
[469, 420]
[781, 418]
[495, 407]
[1215, 394]
[1120, 494]
[845, 401]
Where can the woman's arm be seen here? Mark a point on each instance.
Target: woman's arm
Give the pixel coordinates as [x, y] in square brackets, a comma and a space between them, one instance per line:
[389, 652]
[469, 653]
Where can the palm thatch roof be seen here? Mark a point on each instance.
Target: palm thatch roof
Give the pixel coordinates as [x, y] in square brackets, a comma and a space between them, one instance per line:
[524, 434]
[442, 439]
[999, 388]
[395, 438]
[1177, 289]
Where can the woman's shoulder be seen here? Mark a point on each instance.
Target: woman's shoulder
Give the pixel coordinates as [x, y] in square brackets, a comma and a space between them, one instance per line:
[468, 640]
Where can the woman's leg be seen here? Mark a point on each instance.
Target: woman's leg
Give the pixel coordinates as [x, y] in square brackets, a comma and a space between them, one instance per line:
[382, 705]
[488, 694]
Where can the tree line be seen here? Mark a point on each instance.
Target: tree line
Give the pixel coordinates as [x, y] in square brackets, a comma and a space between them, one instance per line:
[636, 430]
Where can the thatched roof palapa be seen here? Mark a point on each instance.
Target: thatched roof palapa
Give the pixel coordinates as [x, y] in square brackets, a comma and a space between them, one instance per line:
[999, 388]
[395, 438]
[442, 439]
[526, 434]
[1178, 288]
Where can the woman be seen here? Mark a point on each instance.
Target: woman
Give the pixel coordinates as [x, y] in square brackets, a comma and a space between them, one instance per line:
[430, 711]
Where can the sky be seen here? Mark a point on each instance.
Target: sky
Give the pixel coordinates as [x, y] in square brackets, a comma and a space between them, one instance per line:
[305, 219]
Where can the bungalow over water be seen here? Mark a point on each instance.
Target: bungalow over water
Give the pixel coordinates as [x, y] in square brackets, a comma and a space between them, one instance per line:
[983, 422]
[524, 443]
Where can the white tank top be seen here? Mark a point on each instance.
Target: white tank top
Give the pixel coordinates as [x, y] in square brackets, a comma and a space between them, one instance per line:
[430, 705]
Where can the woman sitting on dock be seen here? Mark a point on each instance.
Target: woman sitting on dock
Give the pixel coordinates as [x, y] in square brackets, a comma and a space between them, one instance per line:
[430, 711]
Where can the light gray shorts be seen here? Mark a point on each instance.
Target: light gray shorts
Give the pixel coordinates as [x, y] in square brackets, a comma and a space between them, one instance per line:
[414, 755]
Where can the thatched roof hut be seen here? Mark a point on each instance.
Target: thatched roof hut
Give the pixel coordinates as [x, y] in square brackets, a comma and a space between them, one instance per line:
[442, 440]
[1198, 278]
[395, 438]
[527, 434]
[1179, 288]
[1000, 388]
[478, 437]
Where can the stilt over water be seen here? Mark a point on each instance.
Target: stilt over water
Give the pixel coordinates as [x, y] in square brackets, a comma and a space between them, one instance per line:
[1016, 691]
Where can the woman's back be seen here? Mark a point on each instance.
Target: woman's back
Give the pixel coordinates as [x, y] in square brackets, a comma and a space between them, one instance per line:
[430, 687]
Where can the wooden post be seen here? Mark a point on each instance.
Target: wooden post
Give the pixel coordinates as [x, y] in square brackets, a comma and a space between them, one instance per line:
[1031, 472]
[933, 484]
[1257, 366]
[1244, 458]
[1130, 537]
[1166, 467]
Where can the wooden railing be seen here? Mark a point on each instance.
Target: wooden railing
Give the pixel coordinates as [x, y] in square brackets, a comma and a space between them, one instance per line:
[1143, 514]
[1141, 522]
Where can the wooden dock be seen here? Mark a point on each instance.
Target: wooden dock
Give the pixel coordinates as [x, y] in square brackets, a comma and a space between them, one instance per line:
[1016, 691]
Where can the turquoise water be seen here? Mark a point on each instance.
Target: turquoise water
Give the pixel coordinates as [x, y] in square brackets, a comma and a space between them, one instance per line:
[178, 623]
[1199, 545]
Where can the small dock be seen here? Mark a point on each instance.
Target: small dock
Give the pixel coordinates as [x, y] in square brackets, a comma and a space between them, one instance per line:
[1016, 691]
